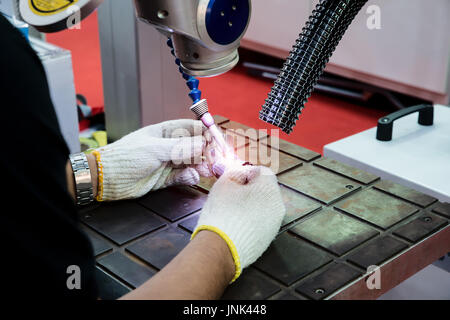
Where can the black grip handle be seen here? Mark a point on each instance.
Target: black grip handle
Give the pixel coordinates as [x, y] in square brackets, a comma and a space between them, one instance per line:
[386, 124]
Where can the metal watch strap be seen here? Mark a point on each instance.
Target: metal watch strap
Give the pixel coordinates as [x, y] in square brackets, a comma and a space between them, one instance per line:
[83, 180]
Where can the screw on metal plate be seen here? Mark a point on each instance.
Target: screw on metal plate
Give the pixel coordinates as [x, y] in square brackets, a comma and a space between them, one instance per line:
[319, 291]
[427, 219]
[349, 186]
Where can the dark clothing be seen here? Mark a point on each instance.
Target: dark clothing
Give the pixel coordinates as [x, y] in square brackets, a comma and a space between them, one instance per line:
[41, 235]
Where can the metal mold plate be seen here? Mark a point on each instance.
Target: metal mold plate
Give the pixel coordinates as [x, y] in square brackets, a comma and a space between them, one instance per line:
[345, 170]
[442, 209]
[108, 287]
[121, 221]
[289, 259]
[159, 248]
[290, 148]
[287, 296]
[317, 183]
[377, 208]
[236, 141]
[297, 206]
[305, 255]
[127, 270]
[405, 193]
[174, 203]
[376, 252]
[206, 183]
[328, 281]
[98, 243]
[251, 285]
[220, 119]
[260, 154]
[243, 130]
[420, 227]
[190, 223]
[334, 231]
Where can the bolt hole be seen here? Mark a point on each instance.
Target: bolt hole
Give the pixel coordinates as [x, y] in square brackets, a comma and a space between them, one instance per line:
[349, 186]
[195, 55]
[222, 13]
[233, 7]
[319, 291]
[162, 14]
[230, 23]
[427, 219]
[88, 216]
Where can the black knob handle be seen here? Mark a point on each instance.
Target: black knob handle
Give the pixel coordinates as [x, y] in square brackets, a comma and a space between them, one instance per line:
[386, 124]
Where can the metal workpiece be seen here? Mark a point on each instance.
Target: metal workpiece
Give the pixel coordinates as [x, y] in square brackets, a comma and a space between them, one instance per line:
[205, 33]
[331, 238]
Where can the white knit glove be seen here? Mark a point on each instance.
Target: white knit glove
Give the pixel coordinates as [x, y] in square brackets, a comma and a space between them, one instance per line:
[246, 209]
[154, 157]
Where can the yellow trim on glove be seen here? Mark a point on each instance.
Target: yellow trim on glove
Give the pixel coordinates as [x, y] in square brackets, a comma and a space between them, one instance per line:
[230, 244]
[99, 196]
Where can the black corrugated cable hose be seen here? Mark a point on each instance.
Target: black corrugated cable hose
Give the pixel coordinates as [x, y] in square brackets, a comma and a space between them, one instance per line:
[307, 60]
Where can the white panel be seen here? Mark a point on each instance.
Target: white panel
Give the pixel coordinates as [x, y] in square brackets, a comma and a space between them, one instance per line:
[412, 47]
[277, 22]
[409, 54]
[417, 156]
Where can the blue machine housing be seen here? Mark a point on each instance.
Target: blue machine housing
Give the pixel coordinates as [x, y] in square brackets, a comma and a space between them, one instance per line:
[226, 20]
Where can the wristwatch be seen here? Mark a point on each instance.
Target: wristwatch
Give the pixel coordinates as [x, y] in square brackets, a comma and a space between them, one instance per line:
[83, 180]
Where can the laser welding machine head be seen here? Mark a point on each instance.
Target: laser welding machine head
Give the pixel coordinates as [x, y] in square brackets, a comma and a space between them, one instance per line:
[205, 33]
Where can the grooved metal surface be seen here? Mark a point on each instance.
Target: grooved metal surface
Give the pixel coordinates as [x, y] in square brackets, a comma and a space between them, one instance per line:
[377, 208]
[317, 183]
[243, 130]
[290, 148]
[405, 193]
[252, 286]
[443, 209]
[420, 227]
[159, 248]
[350, 172]
[339, 221]
[286, 261]
[174, 203]
[261, 154]
[296, 205]
[334, 231]
[328, 281]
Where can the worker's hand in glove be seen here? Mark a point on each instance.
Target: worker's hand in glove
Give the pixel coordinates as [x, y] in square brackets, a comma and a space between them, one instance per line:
[246, 209]
[154, 157]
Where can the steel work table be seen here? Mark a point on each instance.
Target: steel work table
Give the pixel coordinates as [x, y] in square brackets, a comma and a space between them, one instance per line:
[340, 220]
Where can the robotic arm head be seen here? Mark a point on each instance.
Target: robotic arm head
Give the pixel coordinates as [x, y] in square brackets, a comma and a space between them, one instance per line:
[205, 33]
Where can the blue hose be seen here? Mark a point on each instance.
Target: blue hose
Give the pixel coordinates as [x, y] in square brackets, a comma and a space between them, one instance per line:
[191, 81]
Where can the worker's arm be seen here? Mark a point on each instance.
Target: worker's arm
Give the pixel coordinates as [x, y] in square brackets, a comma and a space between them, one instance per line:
[239, 220]
[201, 271]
